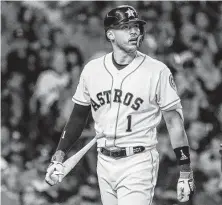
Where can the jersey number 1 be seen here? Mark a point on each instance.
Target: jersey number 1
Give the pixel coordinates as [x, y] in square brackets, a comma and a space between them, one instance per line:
[129, 122]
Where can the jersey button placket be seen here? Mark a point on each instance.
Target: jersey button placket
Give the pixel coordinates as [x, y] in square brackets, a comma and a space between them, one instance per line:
[117, 85]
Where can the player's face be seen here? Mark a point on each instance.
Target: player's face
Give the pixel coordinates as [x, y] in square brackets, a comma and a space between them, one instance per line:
[126, 36]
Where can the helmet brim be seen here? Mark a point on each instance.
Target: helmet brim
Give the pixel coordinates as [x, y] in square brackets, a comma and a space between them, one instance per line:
[117, 25]
[136, 20]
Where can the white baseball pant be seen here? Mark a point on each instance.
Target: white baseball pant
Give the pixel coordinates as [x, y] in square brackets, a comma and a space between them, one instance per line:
[130, 180]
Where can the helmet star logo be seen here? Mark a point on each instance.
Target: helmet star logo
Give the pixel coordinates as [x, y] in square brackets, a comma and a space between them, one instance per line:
[130, 12]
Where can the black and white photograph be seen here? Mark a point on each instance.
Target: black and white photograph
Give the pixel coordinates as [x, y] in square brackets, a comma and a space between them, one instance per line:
[111, 102]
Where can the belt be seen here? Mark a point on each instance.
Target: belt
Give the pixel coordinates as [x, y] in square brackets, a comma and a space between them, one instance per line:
[121, 152]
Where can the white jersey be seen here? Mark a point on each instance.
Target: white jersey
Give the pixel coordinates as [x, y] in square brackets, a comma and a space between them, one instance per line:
[126, 104]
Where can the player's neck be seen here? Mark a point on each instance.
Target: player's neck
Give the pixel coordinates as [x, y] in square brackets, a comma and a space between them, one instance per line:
[123, 58]
[118, 66]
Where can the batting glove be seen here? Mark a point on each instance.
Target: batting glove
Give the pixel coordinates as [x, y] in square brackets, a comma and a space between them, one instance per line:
[55, 173]
[185, 186]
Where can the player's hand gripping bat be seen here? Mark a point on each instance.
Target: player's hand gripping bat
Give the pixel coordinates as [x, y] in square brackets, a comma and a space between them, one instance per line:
[71, 162]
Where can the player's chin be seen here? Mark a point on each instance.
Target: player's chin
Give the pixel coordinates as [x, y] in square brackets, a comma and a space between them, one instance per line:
[132, 46]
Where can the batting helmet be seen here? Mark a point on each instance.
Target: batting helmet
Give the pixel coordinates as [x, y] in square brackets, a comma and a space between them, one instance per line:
[121, 15]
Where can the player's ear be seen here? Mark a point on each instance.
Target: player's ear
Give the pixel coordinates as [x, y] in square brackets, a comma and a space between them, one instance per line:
[110, 35]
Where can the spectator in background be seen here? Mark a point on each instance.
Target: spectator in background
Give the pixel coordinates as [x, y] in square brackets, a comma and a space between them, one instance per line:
[205, 71]
[204, 24]
[185, 11]
[51, 82]
[13, 105]
[214, 95]
[167, 10]
[95, 36]
[209, 75]
[150, 14]
[58, 38]
[78, 34]
[74, 62]
[91, 34]
[44, 102]
[43, 34]
[74, 65]
[27, 18]
[45, 55]
[17, 59]
[190, 89]
[165, 40]
[183, 38]
[22, 61]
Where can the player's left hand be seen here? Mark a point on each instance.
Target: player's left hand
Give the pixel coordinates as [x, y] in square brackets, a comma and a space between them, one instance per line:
[185, 186]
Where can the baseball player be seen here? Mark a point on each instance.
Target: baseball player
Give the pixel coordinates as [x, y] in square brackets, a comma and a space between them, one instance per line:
[127, 92]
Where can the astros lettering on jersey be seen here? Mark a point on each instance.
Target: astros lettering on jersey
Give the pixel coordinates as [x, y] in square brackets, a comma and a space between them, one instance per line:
[126, 104]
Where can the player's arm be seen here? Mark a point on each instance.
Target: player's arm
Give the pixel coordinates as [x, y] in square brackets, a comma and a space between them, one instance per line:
[175, 126]
[72, 130]
[179, 141]
[71, 133]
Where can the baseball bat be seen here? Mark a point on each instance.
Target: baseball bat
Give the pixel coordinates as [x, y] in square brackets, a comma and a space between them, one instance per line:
[71, 162]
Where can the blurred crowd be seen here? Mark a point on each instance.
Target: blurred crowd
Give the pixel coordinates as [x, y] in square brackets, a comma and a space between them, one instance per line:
[44, 46]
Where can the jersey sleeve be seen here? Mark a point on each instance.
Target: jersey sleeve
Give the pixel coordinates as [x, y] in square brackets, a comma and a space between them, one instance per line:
[81, 95]
[166, 90]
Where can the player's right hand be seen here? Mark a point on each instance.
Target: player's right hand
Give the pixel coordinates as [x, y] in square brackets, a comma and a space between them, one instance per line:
[55, 173]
